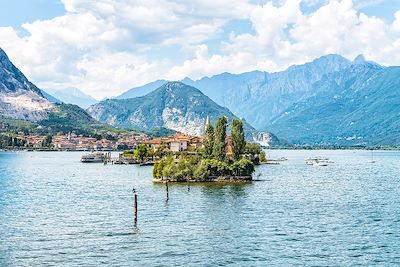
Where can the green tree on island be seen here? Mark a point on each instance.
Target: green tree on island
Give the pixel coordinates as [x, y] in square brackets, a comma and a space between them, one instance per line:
[238, 141]
[47, 141]
[209, 141]
[140, 151]
[219, 148]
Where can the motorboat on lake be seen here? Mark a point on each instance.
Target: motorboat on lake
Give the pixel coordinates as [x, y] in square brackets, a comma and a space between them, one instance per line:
[318, 161]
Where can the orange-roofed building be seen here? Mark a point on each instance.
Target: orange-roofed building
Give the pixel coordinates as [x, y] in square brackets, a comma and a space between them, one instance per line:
[175, 143]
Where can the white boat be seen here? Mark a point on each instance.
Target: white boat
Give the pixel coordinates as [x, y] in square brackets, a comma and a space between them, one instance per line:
[318, 161]
[310, 162]
[96, 157]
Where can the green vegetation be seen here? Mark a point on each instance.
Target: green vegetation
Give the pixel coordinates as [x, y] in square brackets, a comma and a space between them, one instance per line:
[254, 153]
[160, 132]
[9, 141]
[195, 168]
[14, 125]
[238, 141]
[67, 118]
[64, 119]
[219, 146]
[208, 141]
[140, 151]
[47, 141]
[213, 164]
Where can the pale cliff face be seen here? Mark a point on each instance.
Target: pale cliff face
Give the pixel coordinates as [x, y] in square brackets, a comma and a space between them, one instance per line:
[189, 123]
[19, 98]
[25, 105]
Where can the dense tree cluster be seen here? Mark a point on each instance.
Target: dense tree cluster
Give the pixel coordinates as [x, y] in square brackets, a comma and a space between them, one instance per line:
[197, 168]
[9, 141]
[213, 162]
[143, 153]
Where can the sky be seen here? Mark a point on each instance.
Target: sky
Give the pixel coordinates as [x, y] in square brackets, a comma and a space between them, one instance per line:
[105, 47]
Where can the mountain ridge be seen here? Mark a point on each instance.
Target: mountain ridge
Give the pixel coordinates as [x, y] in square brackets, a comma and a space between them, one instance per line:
[245, 94]
[359, 106]
[174, 105]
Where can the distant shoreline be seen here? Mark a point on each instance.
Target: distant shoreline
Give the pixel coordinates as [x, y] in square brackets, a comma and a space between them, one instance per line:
[386, 148]
[265, 148]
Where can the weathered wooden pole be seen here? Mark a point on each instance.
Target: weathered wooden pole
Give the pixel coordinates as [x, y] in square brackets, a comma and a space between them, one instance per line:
[135, 208]
[166, 187]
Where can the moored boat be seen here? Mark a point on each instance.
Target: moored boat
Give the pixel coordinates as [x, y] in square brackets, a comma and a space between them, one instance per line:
[96, 157]
[317, 161]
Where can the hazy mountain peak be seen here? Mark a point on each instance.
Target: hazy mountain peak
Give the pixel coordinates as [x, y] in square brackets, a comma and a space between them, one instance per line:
[72, 95]
[187, 80]
[330, 57]
[360, 59]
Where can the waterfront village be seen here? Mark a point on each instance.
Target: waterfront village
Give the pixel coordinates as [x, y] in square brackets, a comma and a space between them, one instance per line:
[177, 157]
[108, 141]
[114, 142]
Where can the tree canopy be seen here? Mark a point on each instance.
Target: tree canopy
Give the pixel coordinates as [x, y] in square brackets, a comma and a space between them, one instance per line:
[209, 141]
[238, 141]
[219, 148]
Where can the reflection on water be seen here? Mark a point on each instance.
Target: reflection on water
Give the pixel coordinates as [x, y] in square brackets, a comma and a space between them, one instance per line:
[56, 211]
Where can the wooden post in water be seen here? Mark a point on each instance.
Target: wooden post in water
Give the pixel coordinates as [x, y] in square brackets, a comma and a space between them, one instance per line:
[166, 187]
[135, 209]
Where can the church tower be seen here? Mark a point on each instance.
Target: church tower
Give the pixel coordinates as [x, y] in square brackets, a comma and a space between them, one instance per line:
[206, 124]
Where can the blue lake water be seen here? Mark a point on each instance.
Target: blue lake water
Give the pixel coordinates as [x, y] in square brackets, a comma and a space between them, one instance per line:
[56, 211]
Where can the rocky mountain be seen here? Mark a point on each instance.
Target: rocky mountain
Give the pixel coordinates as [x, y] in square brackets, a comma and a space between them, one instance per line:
[174, 105]
[259, 96]
[357, 106]
[20, 98]
[73, 96]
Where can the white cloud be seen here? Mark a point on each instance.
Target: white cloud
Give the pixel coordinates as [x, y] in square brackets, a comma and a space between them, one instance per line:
[105, 47]
[285, 36]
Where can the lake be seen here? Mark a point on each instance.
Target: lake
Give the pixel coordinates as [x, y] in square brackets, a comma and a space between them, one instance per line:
[56, 211]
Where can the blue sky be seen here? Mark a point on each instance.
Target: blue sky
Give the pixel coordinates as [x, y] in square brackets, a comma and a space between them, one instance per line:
[16, 12]
[104, 47]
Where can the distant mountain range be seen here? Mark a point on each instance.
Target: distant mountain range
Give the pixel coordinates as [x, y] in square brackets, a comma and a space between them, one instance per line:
[72, 96]
[357, 105]
[173, 105]
[260, 96]
[325, 101]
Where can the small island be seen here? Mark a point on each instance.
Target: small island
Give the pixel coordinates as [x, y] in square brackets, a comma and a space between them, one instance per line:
[221, 158]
